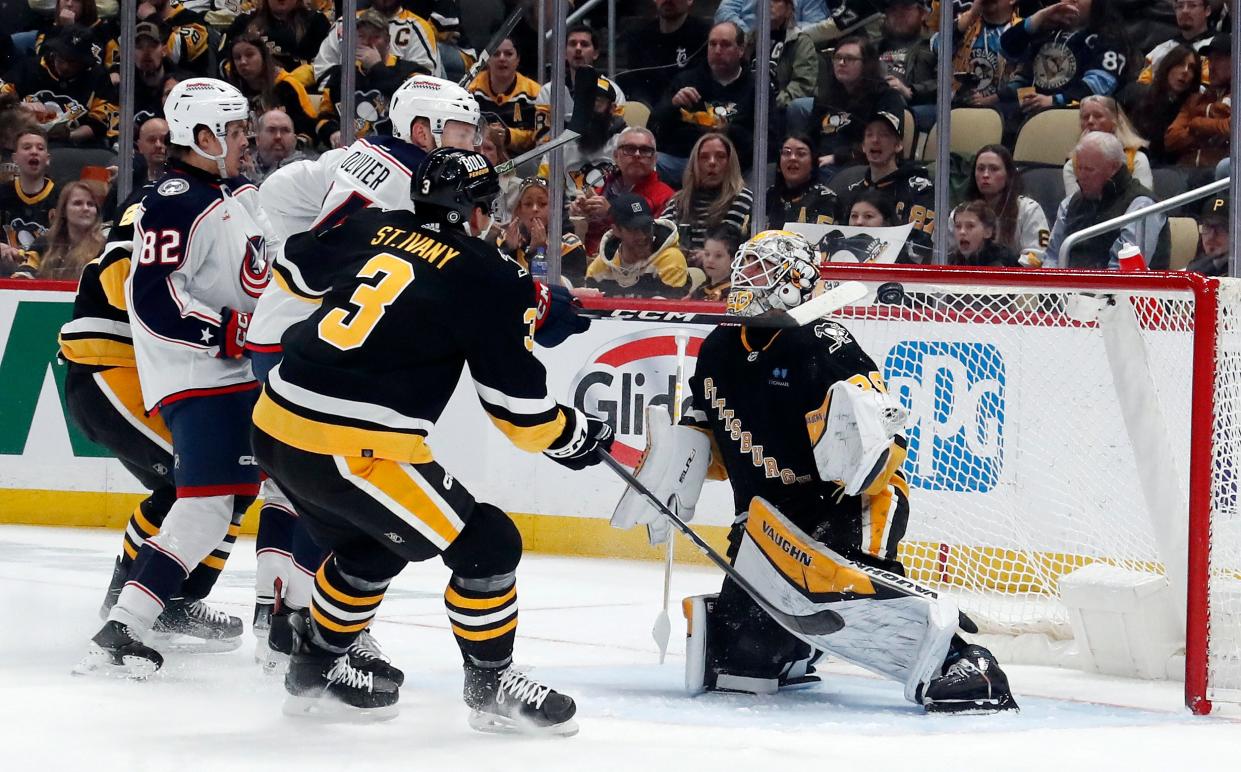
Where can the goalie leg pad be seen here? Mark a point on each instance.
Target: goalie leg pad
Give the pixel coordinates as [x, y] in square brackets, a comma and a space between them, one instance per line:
[893, 626]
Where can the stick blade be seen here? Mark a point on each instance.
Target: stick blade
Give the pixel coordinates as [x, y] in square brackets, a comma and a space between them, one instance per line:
[823, 622]
[662, 632]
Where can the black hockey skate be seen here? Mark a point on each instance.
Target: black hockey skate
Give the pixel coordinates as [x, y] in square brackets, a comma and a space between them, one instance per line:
[192, 625]
[325, 685]
[506, 700]
[972, 683]
[365, 654]
[116, 651]
[119, 577]
[261, 627]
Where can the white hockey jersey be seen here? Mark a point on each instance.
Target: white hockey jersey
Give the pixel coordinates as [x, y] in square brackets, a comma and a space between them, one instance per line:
[308, 195]
[412, 39]
[199, 247]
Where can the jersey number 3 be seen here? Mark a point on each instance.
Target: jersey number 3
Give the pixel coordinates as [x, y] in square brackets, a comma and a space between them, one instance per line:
[349, 328]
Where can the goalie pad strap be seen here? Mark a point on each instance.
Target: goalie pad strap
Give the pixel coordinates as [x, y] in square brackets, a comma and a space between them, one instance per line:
[893, 626]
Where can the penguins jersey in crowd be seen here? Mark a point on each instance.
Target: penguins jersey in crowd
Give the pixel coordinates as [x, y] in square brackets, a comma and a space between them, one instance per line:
[813, 202]
[515, 108]
[373, 91]
[412, 38]
[914, 194]
[763, 396]
[405, 304]
[23, 218]
[319, 193]
[1068, 65]
[198, 248]
[87, 99]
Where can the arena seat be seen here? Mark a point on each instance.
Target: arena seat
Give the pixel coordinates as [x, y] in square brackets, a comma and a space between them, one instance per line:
[972, 128]
[1046, 186]
[1183, 232]
[1170, 181]
[636, 114]
[1048, 138]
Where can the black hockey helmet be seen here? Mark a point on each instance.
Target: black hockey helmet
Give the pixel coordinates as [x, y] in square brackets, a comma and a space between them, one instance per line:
[455, 181]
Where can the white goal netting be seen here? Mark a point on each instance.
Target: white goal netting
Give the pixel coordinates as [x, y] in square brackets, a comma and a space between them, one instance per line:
[1024, 462]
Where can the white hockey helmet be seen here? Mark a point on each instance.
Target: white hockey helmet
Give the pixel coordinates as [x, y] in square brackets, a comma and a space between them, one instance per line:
[775, 270]
[437, 100]
[204, 102]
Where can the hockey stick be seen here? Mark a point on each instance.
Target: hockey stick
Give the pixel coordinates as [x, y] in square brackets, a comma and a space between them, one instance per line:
[823, 622]
[662, 629]
[569, 135]
[844, 294]
[505, 30]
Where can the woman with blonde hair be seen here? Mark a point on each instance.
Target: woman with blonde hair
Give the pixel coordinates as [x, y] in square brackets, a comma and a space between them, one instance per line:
[712, 193]
[74, 238]
[1102, 113]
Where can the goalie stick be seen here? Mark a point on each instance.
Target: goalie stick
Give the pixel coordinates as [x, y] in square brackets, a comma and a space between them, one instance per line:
[844, 294]
[819, 623]
[567, 136]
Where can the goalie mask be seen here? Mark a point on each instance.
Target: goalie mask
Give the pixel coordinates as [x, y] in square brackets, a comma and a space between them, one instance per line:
[775, 270]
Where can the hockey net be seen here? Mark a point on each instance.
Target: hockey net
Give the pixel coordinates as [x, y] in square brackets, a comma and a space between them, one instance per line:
[1063, 419]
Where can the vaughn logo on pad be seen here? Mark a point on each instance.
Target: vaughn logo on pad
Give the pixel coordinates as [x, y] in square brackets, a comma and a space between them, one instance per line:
[955, 394]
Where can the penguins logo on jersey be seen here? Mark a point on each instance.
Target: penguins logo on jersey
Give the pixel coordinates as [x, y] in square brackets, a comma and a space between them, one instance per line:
[22, 234]
[1054, 66]
[254, 273]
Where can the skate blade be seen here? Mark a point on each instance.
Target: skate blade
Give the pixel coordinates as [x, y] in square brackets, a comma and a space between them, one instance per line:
[98, 662]
[188, 644]
[972, 707]
[329, 709]
[493, 724]
[273, 662]
[800, 682]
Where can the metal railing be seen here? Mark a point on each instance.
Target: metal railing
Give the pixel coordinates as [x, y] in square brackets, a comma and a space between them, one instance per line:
[1158, 207]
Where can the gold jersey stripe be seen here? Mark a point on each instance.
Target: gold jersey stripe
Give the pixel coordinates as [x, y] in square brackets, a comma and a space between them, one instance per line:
[458, 600]
[123, 383]
[534, 439]
[100, 352]
[396, 484]
[335, 440]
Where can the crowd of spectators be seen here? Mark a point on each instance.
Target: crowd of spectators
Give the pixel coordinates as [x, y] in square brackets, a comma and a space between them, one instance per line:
[659, 185]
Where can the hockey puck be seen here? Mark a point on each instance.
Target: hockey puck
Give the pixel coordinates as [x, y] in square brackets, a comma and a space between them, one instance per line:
[890, 293]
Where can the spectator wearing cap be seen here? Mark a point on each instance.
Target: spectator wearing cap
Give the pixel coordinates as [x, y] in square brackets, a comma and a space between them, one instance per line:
[635, 173]
[1200, 135]
[1193, 29]
[905, 53]
[66, 90]
[152, 66]
[506, 97]
[852, 90]
[745, 12]
[412, 38]
[267, 86]
[1107, 190]
[188, 43]
[718, 98]
[662, 48]
[103, 31]
[797, 195]
[1212, 257]
[910, 188]
[640, 256]
[1063, 54]
[380, 72]
[292, 31]
[581, 52]
[712, 192]
[275, 144]
[26, 203]
[980, 69]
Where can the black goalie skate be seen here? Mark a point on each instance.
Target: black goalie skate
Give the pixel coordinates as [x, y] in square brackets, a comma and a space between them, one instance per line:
[116, 651]
[972, 683]
[192, 625]
[325, 685]
[509, 701]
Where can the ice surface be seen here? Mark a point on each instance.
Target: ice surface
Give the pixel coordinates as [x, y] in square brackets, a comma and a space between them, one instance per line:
[585, 628]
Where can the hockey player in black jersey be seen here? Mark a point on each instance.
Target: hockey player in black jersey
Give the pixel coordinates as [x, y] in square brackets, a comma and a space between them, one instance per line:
[407, 300]
[800, 422]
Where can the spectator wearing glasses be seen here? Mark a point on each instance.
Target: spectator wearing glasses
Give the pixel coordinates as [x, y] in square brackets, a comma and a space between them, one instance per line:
[852, 91]
[1193, 19]
[712, 192]
[716, 99]
[797, 195]
[275, 145]
[1212, 257]
[635, 173]
[1064, 53]
[1201, 134]
[640, 256]
[503, 92]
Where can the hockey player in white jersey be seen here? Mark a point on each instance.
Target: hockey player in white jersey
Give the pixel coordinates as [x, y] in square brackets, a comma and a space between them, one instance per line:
[426, 113]
[197, 270]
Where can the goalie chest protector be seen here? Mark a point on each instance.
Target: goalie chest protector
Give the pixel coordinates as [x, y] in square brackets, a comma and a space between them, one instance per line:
[754, 389]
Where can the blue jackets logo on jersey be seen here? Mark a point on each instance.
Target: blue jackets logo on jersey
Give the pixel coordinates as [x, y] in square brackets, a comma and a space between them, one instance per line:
[254, 273]
[955, 393]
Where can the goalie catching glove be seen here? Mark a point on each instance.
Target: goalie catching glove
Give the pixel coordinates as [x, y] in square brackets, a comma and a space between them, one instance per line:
[858, 442]
[673, 468]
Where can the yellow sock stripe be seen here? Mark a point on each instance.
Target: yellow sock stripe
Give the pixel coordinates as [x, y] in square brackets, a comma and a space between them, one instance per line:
[144, 526]
[454, 598]
[335, 626]
[233, 531]
[211, 561]
[130, 551]
[485, 635]
[322, 583]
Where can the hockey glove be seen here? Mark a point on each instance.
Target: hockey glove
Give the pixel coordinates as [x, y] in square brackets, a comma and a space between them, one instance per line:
[233, 328]
[578, 445]
[557, 315]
